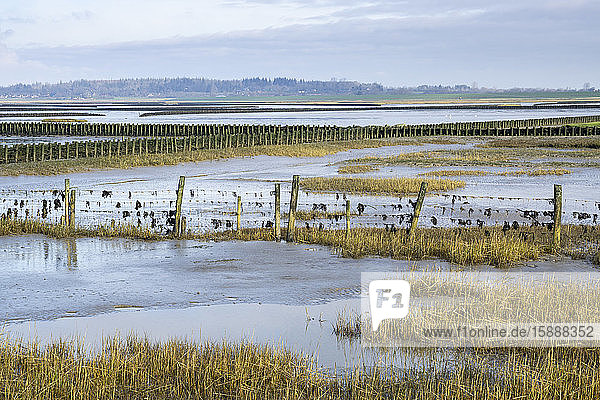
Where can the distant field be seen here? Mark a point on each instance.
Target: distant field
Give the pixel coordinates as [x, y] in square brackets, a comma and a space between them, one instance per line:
[507, 97]
[411, 97]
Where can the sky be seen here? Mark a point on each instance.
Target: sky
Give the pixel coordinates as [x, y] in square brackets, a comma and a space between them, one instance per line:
[500, 43]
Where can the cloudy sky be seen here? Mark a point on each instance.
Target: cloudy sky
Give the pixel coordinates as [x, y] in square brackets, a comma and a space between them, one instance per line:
[499, 43]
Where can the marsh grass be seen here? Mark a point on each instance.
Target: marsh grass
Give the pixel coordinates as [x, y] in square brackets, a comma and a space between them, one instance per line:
[58, 167]
[556, 142]
[377, 186]
[347, 324]
[462, 246]
[454, 172]
[356, 169]
[135, 368]
[487, 157]
[9, 226]
[536, 172]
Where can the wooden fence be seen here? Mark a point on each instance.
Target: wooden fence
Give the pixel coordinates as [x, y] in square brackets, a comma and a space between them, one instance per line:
[239, 136]
[152, 130]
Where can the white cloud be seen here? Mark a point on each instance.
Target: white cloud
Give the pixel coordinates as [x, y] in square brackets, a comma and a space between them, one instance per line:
[509, 43]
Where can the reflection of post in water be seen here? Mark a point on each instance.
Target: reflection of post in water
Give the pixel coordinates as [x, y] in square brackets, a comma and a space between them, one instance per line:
[71, 245]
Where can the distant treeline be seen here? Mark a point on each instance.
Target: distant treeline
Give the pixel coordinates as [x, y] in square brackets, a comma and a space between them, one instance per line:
[201, 87]
[187, 87]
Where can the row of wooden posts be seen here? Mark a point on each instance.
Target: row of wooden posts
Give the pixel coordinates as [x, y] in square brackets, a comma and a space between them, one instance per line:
[146, 130]
[33, 152]
[179, 228]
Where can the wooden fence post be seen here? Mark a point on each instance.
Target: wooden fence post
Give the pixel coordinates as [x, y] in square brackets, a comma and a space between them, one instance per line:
[239, 213]
[417, 211]
[293, 204]
[66, 201]
[72, 208]
[557, 218]
[347, 219]
[278, 212]
[177, 227]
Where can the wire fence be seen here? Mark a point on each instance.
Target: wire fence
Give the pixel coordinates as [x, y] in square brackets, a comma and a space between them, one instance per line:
[210, 209]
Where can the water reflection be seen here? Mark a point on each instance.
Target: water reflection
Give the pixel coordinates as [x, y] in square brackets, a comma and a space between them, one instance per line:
[271, 324]
[71, 250]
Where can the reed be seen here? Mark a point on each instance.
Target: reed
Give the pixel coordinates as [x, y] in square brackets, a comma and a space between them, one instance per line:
[454, 172]
[463, 246]
[10, 226]
[347, 324]
[59, 167]
[135, 368]
[377, 186]
[499, 157]
[356, 169]
[578, 142]
[536, 172]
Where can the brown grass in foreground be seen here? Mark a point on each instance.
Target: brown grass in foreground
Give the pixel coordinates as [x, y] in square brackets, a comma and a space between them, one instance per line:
[135, 368]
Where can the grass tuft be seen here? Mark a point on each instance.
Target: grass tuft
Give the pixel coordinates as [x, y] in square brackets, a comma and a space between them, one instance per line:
[537, 172]
[454, 172]
[377, 186]
[356, 169]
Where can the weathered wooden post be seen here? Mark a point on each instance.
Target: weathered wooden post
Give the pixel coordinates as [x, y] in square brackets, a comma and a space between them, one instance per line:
[66, 201]
[347, 220]
[417, 211]
[177, 227]
[278, 212]
[557, 218]
[72, 208]
[239, 213]
[293, 204]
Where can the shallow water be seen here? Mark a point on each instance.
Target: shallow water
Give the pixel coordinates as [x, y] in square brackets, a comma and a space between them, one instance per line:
[263, 292]
[44, 278]
[340, 118]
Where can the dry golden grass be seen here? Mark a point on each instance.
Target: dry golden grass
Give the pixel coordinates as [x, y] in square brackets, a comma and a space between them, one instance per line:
[556, 142]
[537, 172]
[135, 368]
[377, 186]
[492, 157]
[462, 246]
[454, 172]
[59, 167]
[356, 169]
[22, 227]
